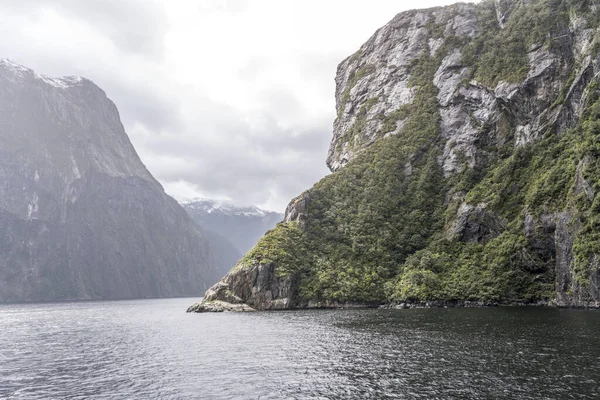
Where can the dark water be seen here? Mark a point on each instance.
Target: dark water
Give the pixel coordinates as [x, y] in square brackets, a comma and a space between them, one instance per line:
[151, 349]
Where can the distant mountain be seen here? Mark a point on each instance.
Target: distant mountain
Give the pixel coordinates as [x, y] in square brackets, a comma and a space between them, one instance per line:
[80, 215]
[226, 254]
[242, 226]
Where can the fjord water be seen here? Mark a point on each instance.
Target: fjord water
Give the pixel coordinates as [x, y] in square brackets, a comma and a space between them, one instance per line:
[152, 349]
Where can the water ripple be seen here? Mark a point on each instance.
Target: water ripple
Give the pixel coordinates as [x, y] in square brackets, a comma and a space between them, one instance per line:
[151, 349]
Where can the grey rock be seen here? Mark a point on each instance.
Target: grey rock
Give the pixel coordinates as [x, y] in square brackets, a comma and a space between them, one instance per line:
[390, 52]
[218, 306]
[255, 285]
[448, 77]
[475, 224]
[465, 109]
[552, 237]
[297, 209]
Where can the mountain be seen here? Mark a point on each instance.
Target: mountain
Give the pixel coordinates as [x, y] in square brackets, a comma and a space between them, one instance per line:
[466, 168]
[81, 216]
[226, 254]
[242, 226]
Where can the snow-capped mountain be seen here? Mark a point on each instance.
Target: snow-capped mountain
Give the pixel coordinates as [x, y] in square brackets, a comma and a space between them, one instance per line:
[242, 226]
[209, 206]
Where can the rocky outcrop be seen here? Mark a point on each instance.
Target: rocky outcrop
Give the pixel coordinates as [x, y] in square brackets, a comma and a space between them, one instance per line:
[463, 162]
[249, 288]
[297, 210]
[475, 224]
[81, 216]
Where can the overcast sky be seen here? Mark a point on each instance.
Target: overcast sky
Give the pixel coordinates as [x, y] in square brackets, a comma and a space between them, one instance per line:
[223, 99]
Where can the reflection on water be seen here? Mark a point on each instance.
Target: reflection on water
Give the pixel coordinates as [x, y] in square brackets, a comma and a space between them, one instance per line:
[152, 349]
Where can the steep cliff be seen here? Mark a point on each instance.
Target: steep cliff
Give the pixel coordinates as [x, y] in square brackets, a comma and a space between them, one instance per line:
[81, 216]
[466, 168]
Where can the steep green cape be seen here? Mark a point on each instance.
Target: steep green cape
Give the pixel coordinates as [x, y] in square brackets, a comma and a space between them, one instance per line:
[517, 222]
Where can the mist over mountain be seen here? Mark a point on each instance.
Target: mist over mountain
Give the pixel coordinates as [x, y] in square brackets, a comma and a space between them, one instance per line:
[242, 226]
[81, 217]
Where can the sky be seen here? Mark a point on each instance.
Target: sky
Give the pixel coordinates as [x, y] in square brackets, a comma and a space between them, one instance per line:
[224, 99]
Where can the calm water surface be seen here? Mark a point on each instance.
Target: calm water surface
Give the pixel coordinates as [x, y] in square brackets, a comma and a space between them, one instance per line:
[151, 349]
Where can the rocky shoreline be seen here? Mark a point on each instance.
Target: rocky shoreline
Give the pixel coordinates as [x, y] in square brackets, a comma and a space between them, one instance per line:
[218, 306]
[486, 304]
[222, 306]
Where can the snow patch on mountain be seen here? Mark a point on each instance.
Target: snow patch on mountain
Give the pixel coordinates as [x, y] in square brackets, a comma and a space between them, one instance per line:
[210, 206]
[22, 72]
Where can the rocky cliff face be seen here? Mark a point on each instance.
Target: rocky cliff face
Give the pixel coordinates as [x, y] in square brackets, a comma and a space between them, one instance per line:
[465, 158]
[81, 216]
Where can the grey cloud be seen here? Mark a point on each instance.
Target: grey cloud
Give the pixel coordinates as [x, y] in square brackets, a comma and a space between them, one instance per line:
[134, 26]
[252, 68]
[318, 65]
[281, 102]
[285, 161]
[223, 6]
[138, 103]
[247, 178]
[136, 100]
[311, 138]
[226, 131]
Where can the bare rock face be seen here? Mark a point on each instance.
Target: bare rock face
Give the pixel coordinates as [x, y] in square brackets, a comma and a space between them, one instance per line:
[81, 216]
[375, 81]
[475, 224]
[249, 288]
[297, 210]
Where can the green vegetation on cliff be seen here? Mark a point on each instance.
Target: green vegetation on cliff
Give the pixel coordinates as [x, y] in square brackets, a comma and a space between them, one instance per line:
[387, 226]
